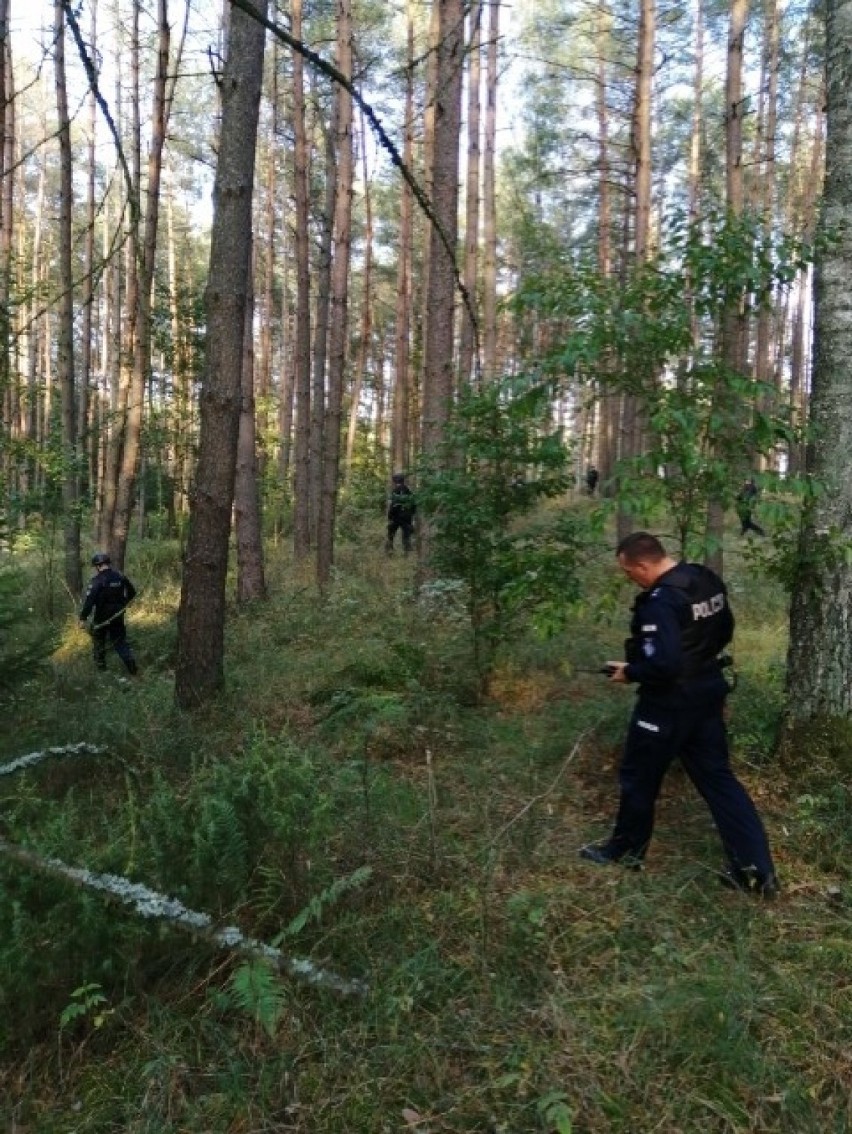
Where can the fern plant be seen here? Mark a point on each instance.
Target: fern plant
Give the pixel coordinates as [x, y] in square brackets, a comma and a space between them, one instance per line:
[257, 991]
[315, 908]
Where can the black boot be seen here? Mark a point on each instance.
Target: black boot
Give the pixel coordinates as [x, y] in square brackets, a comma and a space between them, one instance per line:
[605, 854]
[749, 880]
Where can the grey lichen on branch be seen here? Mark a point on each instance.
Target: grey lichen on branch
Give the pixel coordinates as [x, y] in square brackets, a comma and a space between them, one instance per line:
[32, 758]
[151, 904]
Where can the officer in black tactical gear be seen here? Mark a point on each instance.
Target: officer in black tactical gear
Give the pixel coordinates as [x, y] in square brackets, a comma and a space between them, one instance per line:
[108, 596]
[746, 501]
[680, 623]
[401, 509]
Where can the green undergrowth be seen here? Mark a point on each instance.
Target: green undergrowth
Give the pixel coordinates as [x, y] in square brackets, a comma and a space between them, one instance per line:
[352, 799]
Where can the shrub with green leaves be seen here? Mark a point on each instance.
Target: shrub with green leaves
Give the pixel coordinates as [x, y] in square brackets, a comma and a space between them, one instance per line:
[655, 337]
[23, 643]
[502, 455]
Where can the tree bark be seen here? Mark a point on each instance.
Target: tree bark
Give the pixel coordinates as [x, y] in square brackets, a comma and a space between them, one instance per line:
[472, 196]
[201, 618]
[264, 369]
[631, 414]
[141, 319]
[443, 178]
[489, 198]
[765, 198]
[819, 661]
[361, 362]
[441, 283]
[338, 307]
[251, 583]
[65, 331]
[302, 351]
[320, 349]
[402, 388]
[6, 182]
[84, 445]
[733, 323]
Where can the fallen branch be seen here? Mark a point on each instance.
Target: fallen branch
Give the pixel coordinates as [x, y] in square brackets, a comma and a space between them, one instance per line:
[151, 904]
[82, 749]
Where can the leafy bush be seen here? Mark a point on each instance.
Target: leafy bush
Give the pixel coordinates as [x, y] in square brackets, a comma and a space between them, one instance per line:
[654, 337]
[501, 456]
[23, 643]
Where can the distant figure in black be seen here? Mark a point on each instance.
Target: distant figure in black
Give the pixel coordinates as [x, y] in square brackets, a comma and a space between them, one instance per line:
[108, 596]
[401, 509]
[592, 478]
[745, 505]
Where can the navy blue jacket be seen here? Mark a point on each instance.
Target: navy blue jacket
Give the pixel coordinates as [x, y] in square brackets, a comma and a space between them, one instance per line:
[108, 594]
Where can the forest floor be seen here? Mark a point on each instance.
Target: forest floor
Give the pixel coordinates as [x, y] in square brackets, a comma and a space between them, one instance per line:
[354, 800]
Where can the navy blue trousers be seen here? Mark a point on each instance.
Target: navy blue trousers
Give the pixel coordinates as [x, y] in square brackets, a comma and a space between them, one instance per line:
[116, 632]
[686, 723]
[407, 534]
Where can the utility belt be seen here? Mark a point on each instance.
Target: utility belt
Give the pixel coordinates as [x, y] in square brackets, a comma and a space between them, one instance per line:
[703, 667]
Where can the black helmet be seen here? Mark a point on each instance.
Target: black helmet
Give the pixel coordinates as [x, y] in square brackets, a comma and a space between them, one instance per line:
[100, 558]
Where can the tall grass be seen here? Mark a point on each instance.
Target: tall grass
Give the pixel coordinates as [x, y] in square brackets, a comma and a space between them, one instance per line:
[512, 988]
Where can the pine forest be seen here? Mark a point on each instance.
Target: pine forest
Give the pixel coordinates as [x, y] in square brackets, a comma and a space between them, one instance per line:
[361, 363]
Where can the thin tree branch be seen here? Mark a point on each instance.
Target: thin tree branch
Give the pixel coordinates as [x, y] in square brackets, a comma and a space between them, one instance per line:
[92, 76]
[328, 69]
[151, 904]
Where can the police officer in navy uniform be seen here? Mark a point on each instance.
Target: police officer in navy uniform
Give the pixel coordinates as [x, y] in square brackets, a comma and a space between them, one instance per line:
[108, 596]
[401, 509]
[680, 623]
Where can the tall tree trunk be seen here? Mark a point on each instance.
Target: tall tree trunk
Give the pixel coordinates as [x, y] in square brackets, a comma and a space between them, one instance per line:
[441, 282]
[366, 311]
[320, 350]
[733, 324]
[116, 375]
[799, 365]
[264, 369]
[401, 428]
[112, 519]
[339, 280]
[489, 198]
[766, 195]
[84, 445]
[201, 618]
[33, 330]
[697, 126]
[65, 333]
[819, 661]
[734, 108]
[610, 404]
[286, 370]
[251, 584]
[472, 195]
[302, 351]
[145, 281]
[114, 372]
[182, 395]
[6, 182]
[632, 420]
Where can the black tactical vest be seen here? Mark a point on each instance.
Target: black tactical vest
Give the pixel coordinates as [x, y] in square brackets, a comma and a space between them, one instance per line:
[706, 619]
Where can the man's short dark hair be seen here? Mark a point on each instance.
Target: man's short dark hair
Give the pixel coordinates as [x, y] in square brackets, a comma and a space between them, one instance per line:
[641, 545]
